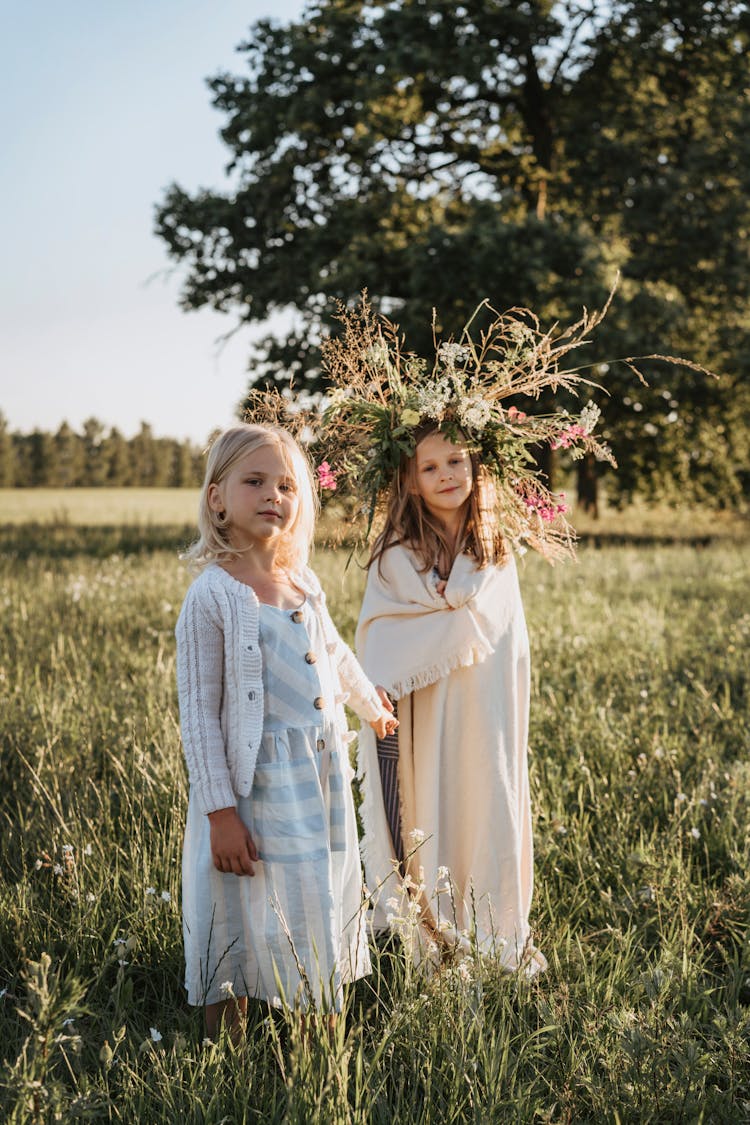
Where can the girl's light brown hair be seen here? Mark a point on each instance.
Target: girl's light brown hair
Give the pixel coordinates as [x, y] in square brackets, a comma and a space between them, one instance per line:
[213, 543]
[408, 522]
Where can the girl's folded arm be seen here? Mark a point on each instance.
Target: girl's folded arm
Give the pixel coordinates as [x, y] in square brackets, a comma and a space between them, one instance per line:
[200, 674]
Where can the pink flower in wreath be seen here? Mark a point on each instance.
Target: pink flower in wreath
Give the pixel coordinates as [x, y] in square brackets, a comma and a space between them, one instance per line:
[568, 437]
[326, 476]
[515, 414]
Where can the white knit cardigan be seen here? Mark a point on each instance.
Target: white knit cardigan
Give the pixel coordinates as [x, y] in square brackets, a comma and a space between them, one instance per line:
[220, 682]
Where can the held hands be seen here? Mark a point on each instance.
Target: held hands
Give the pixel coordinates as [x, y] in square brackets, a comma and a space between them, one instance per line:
[386, 723]
[232, 846]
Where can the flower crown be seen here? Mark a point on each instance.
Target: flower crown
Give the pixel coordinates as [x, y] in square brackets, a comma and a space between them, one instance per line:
[382, 399]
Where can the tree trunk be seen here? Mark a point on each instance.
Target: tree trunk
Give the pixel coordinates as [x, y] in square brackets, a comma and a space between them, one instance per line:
[587, 484]
[544, 459]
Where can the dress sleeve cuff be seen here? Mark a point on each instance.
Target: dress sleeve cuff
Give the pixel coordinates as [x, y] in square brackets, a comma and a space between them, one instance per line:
[371, 708]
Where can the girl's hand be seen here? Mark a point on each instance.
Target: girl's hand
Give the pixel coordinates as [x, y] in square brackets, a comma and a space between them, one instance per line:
[384, 698]
[386, 723]
[232, 846]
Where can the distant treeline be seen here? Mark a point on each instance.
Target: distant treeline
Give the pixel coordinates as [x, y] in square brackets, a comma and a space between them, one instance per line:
[96, 458]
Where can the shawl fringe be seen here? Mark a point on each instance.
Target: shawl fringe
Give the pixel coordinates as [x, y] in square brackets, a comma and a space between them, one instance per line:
[475, 653]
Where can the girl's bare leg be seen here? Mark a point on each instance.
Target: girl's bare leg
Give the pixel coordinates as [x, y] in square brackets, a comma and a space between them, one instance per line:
[232, 1014]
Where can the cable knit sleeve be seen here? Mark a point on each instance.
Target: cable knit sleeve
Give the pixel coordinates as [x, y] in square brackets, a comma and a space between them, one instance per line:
[200, 684]
[363, 698]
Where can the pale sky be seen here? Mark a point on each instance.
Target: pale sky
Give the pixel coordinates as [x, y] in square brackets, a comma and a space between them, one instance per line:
[104, 104]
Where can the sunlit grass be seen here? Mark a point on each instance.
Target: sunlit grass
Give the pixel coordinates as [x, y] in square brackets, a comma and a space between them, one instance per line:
[640, 786]
[96, 506]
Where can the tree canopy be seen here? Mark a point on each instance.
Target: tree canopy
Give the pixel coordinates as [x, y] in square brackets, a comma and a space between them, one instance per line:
[438, 153]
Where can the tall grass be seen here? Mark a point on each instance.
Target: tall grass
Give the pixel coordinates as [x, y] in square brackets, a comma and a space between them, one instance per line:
[640, 775]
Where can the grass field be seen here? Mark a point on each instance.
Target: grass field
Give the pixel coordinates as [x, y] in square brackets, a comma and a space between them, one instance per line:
[640, 788]
[150, 509]
[94, 507]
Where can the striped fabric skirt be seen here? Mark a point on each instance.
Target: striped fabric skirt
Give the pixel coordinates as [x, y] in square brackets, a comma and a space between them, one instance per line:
[388, 763]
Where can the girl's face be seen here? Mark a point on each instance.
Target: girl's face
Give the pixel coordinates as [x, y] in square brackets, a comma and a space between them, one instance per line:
[443, 476]
[258, 496]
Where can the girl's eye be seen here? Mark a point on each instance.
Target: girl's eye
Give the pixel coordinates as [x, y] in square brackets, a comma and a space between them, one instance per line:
[286, 487]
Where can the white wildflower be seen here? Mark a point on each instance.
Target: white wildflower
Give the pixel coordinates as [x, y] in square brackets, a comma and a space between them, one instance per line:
[88, 850]
[38, 865]
[377, 355]
[432, 400]
[464, 971]
[58, 869]
[150, 890]
[443, 873]
[589, 417]
[451, 354]
[226, 988]
[67, 849]
[474, 413]
[681, 797]
[337, 396]
[417, 837]
[155, 1034]
[695, 833]
[392, 903]
[166, 896]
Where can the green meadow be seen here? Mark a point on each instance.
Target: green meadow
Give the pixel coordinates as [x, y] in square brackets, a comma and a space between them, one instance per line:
[641, 799]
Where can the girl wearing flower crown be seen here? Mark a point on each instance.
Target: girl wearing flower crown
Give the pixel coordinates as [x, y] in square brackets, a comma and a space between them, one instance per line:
[272, 887]
[442, 627]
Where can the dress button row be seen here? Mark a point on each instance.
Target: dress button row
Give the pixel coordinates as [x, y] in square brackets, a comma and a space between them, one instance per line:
[319, 703]
[310, 657]
[296, 616]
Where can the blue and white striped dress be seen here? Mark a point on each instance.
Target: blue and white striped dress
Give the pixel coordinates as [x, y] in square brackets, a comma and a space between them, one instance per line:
[294, 932]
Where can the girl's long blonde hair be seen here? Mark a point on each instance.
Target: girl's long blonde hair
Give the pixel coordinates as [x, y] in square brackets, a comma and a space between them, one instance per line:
[226, 450]
[408, 522]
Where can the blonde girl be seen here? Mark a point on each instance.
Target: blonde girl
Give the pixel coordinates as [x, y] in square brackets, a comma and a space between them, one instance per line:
[272, 888]
[442, 627]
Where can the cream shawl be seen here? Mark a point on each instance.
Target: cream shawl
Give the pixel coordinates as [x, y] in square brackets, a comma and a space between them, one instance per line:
[409, 636]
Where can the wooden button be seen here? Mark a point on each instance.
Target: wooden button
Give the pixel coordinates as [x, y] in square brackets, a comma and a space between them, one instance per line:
[296, 616]
[319, 703]
[310, 657]
[320, 744]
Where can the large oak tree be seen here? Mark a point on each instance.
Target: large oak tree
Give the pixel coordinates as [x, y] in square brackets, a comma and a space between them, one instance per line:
[438, 153]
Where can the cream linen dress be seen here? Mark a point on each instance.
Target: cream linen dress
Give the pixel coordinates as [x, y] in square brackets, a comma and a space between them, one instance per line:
[463, 773]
